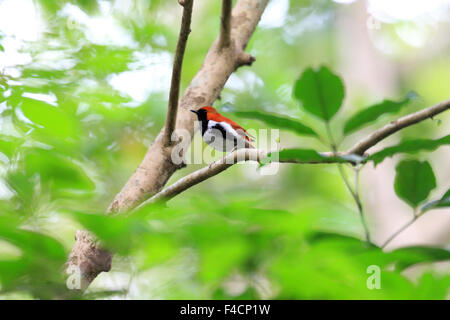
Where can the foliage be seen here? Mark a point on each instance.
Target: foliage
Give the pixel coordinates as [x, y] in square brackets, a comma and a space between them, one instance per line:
[414, 181]
[321, 92]
[31, 261]
[239, 239]
[277, 122]
[409, 146]
[372, 113]
[70, 139]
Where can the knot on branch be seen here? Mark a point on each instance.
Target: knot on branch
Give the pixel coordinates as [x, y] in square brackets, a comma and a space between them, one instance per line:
[113, 207]
[88, 257]
[245, 59]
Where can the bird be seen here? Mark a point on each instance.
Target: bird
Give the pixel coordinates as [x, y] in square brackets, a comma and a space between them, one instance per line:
[221, 133]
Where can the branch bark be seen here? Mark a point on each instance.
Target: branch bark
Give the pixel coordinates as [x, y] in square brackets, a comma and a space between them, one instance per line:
[176, 71]
[157, 166]
[397, 125]
[257, 155]
[225, 24]
[206, 173]
[403, 228]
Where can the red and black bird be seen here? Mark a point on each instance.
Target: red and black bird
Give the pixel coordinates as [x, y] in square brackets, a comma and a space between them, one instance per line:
[221, 133]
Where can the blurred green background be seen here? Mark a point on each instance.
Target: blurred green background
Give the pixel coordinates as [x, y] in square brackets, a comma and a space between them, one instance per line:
[83, 93]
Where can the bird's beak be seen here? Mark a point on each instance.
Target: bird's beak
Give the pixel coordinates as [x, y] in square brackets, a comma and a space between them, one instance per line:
[194, 111]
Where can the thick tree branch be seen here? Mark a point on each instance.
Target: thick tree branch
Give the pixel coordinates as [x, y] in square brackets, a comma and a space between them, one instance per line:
[397, 125]
[225, 24]
[217, 167]
[257, 155]
[205, 173]
[176, 71]
[89, 264]
[157, 166]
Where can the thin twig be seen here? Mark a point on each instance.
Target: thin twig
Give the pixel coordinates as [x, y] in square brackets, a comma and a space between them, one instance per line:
[225, 24]
[176, 71]
[354, 193]
[357, 199]
[397, 125]
[207, 172]
[254, 154]
[403, 228]
[217, 167]
[357, 169]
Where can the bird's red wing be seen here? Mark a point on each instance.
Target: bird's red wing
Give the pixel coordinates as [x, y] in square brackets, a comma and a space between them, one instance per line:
[219, 118]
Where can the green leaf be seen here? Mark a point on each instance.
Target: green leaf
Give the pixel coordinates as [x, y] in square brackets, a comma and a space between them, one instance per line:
[320, 91]
[9, 145]
[443, 202]
[63, 175]
[406, 257]
[414, 181]
[113, 230]
[301, 156]
[433, 286]
[125, 235]
[40, 255]
[277, 122]
[103, 60]
[34, 243]
[373, 112]
[333, 266]
[218, 260]
[409, 146]
[49, 119]
[371, 254]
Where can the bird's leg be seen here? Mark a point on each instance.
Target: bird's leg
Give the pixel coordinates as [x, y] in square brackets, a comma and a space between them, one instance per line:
[231, 151]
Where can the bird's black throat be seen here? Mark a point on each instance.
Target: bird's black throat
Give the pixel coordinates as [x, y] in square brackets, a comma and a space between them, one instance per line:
[201, 115]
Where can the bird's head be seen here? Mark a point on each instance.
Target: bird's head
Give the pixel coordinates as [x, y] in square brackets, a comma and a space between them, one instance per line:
[203, 112]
